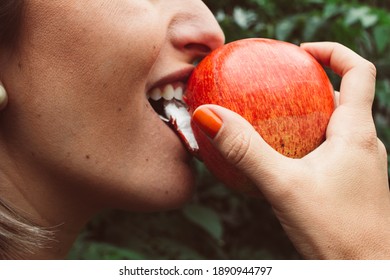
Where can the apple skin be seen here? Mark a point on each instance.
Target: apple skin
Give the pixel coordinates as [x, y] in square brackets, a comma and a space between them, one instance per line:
[278, 87]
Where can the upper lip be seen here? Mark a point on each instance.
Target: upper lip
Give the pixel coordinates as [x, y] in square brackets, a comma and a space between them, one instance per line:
[181, 75]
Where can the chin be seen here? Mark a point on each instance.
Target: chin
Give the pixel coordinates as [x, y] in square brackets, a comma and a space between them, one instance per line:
[176, 189]
[167, 191]
[167, 181]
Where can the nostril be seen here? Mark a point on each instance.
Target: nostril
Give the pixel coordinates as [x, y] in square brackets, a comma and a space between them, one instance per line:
[200, 49]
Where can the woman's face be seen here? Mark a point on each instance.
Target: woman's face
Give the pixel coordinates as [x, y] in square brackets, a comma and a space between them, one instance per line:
[78, 111]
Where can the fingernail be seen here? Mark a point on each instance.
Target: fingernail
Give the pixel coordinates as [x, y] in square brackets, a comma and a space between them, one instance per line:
[207, 121]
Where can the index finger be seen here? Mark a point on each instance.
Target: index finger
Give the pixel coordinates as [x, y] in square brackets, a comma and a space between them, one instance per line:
[353, 116]
[358, 75]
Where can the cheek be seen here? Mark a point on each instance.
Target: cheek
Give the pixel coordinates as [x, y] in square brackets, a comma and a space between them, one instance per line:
[79, 105]
[81, 91]
[89, 67]
[67, 39]
[82, 75]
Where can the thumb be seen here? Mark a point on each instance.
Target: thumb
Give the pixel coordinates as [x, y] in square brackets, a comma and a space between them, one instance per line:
[241, 145]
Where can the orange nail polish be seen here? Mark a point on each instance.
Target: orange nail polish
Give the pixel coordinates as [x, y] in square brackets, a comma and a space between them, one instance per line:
[207, 121]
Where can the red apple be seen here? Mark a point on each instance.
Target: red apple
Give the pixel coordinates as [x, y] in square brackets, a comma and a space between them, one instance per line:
[278, 87]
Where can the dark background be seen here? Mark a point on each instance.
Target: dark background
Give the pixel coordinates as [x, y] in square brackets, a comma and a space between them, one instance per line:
[220, 224]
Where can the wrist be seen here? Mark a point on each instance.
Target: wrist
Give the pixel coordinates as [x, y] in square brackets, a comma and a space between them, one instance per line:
[370, 244]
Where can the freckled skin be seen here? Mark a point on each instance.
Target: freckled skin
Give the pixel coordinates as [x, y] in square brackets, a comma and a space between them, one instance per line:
[86, 81]
[279, 88]
[78, 126]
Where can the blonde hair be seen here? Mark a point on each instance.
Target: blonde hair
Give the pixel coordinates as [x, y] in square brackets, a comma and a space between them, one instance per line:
[20, 238]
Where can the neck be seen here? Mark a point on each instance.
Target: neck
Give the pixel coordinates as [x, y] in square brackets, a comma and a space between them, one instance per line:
[44, 217]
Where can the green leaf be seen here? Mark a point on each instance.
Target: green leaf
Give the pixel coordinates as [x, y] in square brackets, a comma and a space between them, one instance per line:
[331, 10]
[316, 1]
[103, 251]
[174, 249]
[369, 20]
[244, 18]
[312, 26]
[206, 218]
[285, 27]
[362, 14]
[355, 14]
[381, 36]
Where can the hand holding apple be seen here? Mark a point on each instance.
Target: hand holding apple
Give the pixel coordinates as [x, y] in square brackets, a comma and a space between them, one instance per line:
[278, 87]
[333, 203]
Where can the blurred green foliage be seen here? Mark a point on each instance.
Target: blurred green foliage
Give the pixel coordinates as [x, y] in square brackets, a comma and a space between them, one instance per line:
[220, 224]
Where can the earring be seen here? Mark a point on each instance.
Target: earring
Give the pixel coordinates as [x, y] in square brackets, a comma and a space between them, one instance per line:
[3, 97]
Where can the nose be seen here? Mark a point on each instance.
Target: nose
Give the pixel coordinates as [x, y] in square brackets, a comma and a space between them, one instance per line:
[195, 31]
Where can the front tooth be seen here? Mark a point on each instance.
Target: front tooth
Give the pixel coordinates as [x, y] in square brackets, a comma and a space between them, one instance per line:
[168, 92]
[155, 94]
[179, 93]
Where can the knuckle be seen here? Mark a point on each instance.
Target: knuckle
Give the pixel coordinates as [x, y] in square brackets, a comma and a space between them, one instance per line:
[238, 148]
[371, 69]
[368, 71]
[366, 142]
[369, 142]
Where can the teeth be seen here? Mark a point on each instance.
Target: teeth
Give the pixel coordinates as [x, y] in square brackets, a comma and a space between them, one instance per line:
[179, 93]
[155, 94]
[168, 93]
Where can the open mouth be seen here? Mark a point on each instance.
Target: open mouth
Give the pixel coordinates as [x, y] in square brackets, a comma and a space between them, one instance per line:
[168, 103]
